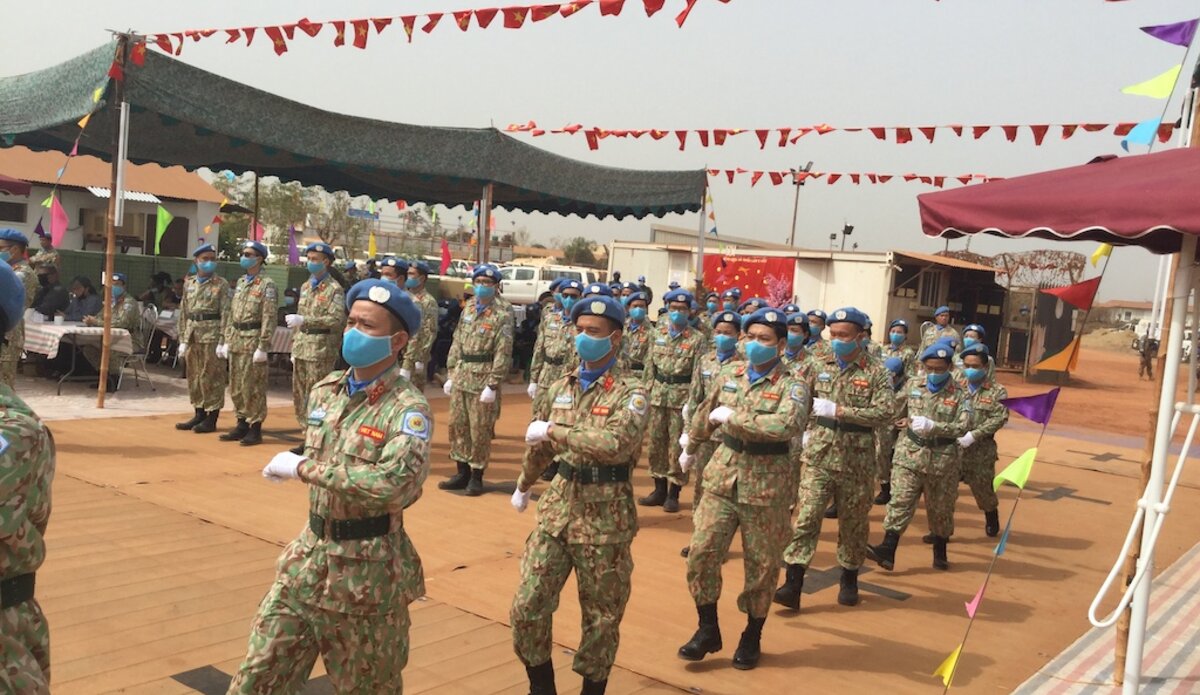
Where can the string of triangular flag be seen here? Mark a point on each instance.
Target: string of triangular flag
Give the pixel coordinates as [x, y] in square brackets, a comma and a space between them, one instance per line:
[856, 178]
[1080, 295]
[1160, 86]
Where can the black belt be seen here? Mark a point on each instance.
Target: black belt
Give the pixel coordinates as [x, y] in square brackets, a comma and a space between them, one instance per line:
[593, 475]
[838, 426]
[315, 331]
[478, 358]
[673, 378]
[248, 325]
[929, 441]
[205, 317]
[637, 366]
[350, 529]
[16, 590]
[757, 448]
[556, 361]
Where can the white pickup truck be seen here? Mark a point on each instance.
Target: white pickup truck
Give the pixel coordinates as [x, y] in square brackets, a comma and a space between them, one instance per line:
[523, 284]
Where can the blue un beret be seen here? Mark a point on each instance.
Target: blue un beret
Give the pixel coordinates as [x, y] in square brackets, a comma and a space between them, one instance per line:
[599, 305]
[393, 262]
[849, 315]
[798, 319]
[555, 283]
[768, 317]
[486, 270]
[598, 289]
[977, 328]
[678, 296]
[949, 341]
[422, 268]
[899, 323]
[819, 314]
[755, 303]
[390, 297]
[978, 349]
[569, 284]
[895, 365]
[673, 285]
[639, 296]
[941, 310]
[258, 247]
[790, 309]
[120, 277]
[10, 234]
[734, 293]
[320, 247]
[12, 299]
[351, 265]
[203, 248]
[727, 317]
[711, 294]
[937, 351]
[631, 286]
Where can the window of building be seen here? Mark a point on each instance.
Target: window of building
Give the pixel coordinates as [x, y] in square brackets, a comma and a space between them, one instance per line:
[931, 289]
[13, 212]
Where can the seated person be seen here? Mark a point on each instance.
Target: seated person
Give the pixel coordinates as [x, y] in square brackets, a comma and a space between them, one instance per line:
[160, 285]
[125, 315]
[51, 299]
[84, 300]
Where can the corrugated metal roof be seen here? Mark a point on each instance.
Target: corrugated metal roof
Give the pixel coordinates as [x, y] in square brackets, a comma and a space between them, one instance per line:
[127, 195]
[85, 172]
[944, 260]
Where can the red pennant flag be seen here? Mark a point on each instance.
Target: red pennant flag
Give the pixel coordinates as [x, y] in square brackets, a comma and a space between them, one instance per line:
[939, 181]
[248, 32]
[484, 17]
[1068, 131]
[409, 22]
[653, 6]
[164, 43]
[401, 204]
[514, 17]
[925, 179]
[179, 38]
[571, 8]
[903, 135]
[289, 30]
[1010, 132]
[310, 28]
[611, 7]
[340, 38]
[572, 129]
[762, 138]
[138, 56]
[884, 178]
[928, 132]
[658, 134]
[1080, 295]
[447, 259]
[682, 135]
[872, 178]
[682, 16]
[1094, 127]
[783, 136]
[1123, 128]
[833, 178]
[978, 130]
[910, 177]
[433, 19]
[593, 138]
[754, 177]
[957, 130]
[776, 177]
[824, 128]
[277, 40]
[360, 33]
[540, 12]
[216, 219]
[115, 71]
[719, 136]
[1039, 133]
[713, 172]
[463, 19]
[879, 133]
[703, 137]
[729, 174]
[1165, 131]
[233, 35]
[854, 178]
[964, 179]
[381, 23]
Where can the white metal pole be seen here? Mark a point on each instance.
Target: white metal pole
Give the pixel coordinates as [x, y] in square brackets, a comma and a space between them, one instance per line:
[1162, 438]
[699, 279]
[1192, 354]
[1157, 301]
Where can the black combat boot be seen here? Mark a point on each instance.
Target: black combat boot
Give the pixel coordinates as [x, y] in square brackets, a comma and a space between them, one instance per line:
[749, 648]
[885, 552]
[788, 595]
[541, 679]
[254, 436]
[831, 513]
[593, 687]
[197, 418]
[991, 524]
[551, 471]
[928, 538]
[658, 497]
[687, 549]
[297, 450]
[848, 593]
[885, 494]
[238, 432]
[209, 424]
[475, 484]
[671, 504]
[458, 481]
[939, 554]
[707, 639]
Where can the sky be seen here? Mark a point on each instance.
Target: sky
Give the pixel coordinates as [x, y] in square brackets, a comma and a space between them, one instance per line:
[742, 64]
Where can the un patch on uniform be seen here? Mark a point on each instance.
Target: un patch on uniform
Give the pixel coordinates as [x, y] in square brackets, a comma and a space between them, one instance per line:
[824, 377]
[729, 386]
[797, 394]
[316, 416]
[915, 393]
[3, 444]
[415, 424]
[637, 403]
[660, 341]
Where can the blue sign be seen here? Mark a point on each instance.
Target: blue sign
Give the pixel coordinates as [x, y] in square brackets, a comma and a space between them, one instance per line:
[364, 214]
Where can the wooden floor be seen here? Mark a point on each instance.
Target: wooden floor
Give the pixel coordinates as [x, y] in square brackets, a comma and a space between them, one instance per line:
[161, 544]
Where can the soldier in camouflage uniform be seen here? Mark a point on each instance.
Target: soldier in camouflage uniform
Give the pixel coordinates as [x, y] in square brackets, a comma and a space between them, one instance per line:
[973, 334]
[586, 520]
[852, 396]
[731, 298]
[927, 459]
[553, 356]
[479, 360]
[47, 255]
[673, 357]
[795, 355]
[817, 347]
[753, 410]
[316, 327]
[416, 356]
[126, 316]
[394, 270]
[897, 346]
[885, 435]
[940, 328]
[342, 588]
[26, 472]
[13, 249]
[203, 314]
[248, 336]
[987, 412]
[635, 344]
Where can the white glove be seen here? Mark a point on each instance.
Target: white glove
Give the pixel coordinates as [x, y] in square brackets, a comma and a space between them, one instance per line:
[282, 467]
[259, 357]
[488, 395]
[966, 440]
[720, 415]
[520, 500]
[293, 320]
[292, 359]
[405, 373]
[538, 431]
[446, 386]
[686, 410]
[684, 439]
[685, 461]
[823, 407]
[223, 351]
[181, 350]
[921, 424]
[804, 439]
[419, 366]
[532, 390]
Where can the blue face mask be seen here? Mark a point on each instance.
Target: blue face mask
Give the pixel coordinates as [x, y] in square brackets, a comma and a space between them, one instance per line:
[814, 330]
[592, 349]
[206, 267]
[968, 342]
[411, 283]
[192, 269]
[725, 343]
[248, 262]
[711, 306]
[117, 291]
[289, 300]
[637, 314]
[625, 300]
[679, 319]
[974, 374]
[896, 338]
[558, 297]
[5, 256]
[795, 341]
[934, 379]
[484, 291]
[316, 267]
[568, 302]
[730, 306]
[757, 353]
[843, 348]
[362, 350]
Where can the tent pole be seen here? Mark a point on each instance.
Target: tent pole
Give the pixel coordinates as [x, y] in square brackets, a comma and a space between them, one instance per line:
[485, 219]
[700, 242]
[114, 197]
[254, 221]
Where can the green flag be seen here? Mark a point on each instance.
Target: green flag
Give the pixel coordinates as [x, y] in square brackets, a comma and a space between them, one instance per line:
[1017, 472]
[164, 221]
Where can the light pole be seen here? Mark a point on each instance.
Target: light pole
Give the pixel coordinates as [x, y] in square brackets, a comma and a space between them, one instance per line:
[846, 229]
[798, 181]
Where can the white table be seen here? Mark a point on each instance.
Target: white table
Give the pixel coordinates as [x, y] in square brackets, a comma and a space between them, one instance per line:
[45, 338]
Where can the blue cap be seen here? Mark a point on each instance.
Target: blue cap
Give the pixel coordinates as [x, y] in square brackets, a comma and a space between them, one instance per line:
[818, 313]
[901, 323]
[734, 293]
[598, 288]
[351, 265]
[678, 296]
[390, 297]
[639, 296]
[768, 317]
[203, 248]
[790, 309]
[12, 299]
[895, 365]
[555, 283]
[569, 284]
[797, 319]
[320, 247]
[422, 268]
[392, 262]
[727, 317]
[941, 310]
[754, 303]
[849, 315]
[978, 349]
[10, 234]
[977, 328]
[599, 305]
[949, 341]
[711, 294]
[673, 285]
[120, 277]
[937, 351]
[258, 247]
[486, 270]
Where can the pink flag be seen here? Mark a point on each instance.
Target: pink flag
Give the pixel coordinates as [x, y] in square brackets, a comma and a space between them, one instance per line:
[974, 603]
[259, 231]
[58, 222]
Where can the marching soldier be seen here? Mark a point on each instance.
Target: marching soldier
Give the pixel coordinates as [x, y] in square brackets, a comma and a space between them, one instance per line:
[416, 356]
[343, 587]
[317, 325]
[712, 304]
[13, 251]
[927, 459]
[752, 411]
[586, 519]
[984, 401]
[248, 336]
[973, 334]
[478, 362]
[635, 343]
[794, 355]
[897, 346]
[817, 347]
[940, 328]
[26, 472]
[203, 314]
[553, 356]
[885, 435]
[852, 396]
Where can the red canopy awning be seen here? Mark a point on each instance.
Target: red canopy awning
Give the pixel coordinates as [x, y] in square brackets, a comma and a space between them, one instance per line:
[14, 186]
[1143, 200]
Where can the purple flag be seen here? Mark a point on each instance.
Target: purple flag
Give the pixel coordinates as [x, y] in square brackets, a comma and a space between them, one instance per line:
[293, 250]
[1179, 33]
[1037, 408]
[38, 229]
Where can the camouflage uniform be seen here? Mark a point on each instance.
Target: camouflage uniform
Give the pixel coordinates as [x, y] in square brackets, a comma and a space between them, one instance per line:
[203, 314]
[582, 525]
[839, 462]
[421, 346]
[347, 599]
[669, 374]
[480, 356]
[748, 482]
[250, 327]
[708, 367]
[26, 470]
[10, 351]
[819, 350]
[635, 348]
[125, 315]
[318, 341]
[885, 438]
[553, 357]
[933, 333]
[44, 258]
[987, 416]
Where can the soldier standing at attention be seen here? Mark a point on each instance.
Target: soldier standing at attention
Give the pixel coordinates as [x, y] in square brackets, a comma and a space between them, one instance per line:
[553, 357]
[928, 459]
[673, 357]
[730, 299]
[26, 471]
[817, 347]
[753, 411]
[343, 587]
[940, 328]
[13, 250]
[47, 255]
[794, 355]
[202, 317]
[852, 395]
[635, 343]
[478, 362]
[983, 400]
[897, 346]
[416, 357]
[247, 338]
[586, 521]
[317, 325]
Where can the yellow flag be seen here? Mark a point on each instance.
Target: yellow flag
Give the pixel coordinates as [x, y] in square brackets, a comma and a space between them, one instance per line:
[1159, 87]
[946, 670]
[371, 245]
[84, 121]
[1066, 360]
[1017, 472]
[96, 93]
[1104, 251]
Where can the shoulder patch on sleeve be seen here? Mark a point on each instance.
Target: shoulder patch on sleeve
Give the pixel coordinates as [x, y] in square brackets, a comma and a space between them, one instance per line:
[416, 424]
[637, 403]
[797, 393]
[3, 444]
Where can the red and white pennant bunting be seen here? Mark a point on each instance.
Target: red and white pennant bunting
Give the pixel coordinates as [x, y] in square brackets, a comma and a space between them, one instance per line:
[779, 177]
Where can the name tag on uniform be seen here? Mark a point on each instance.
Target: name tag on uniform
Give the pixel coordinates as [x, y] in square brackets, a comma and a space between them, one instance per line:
[915, 393]
[771, 396]
[824, 377]
[985, 400]
[563, 400]
[484, 327]
[861, 383]
[316, 416]
[730, 387]
[706, 373]
[660, 341]
[601, 410]
[373, 433]
[949, 402]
